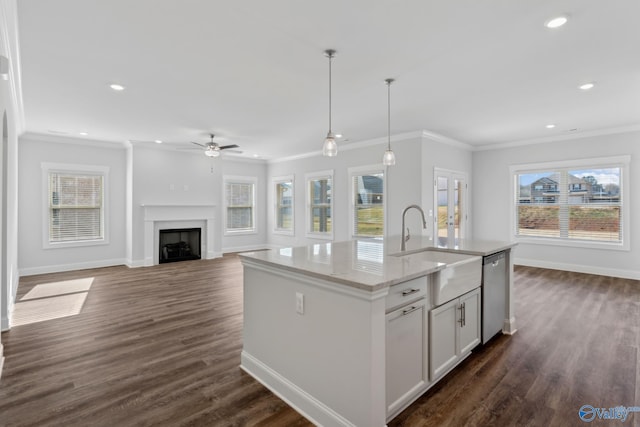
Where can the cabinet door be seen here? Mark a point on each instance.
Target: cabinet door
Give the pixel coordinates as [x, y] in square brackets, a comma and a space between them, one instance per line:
[406, 370]
[443, 337]
[469, 332]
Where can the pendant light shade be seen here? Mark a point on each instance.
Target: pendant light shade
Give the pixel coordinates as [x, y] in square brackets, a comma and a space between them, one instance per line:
[330, 148]
[389, 159]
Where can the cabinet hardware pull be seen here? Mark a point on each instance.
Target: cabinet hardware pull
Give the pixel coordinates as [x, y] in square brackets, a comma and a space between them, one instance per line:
[464, 314]
[409, 310]
[495, 263]
[409, 291]
[461, 320]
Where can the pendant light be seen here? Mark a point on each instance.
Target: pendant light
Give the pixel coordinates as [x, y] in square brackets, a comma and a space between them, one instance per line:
[389, 159]
[330, 148]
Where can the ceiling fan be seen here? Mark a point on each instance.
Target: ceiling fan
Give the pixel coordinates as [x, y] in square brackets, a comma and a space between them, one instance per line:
[213, 149]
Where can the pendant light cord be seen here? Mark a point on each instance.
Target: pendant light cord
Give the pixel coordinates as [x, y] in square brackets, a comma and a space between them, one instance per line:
[330, 55]
[389, 81]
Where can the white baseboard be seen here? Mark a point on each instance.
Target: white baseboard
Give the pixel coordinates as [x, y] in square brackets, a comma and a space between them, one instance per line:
[509, 326]
[305, 404]
[577, 268]
[70, 267]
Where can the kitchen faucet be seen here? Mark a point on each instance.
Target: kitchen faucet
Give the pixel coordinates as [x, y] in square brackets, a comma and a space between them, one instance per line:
[403, 247]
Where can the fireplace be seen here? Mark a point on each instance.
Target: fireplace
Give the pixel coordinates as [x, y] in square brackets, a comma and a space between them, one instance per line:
[179, 244]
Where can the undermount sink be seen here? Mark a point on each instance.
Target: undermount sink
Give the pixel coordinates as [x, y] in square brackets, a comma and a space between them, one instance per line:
[462, 274]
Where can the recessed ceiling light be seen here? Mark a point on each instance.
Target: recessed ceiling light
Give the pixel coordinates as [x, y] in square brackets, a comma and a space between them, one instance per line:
[587, 86]
[256, 155]
[83, 133]
[157, 141]
[58, 132]
[116, 87]
[556, 22]
[550, 126]
[338, 135]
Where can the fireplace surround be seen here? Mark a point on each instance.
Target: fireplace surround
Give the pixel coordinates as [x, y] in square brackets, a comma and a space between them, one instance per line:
[165, 216]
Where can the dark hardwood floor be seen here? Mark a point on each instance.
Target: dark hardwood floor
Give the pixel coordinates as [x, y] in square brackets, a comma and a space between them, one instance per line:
[161, 346]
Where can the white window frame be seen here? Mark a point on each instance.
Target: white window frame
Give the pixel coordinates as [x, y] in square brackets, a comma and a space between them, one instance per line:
[74, 169]
[274, 185]
[623, 162]
[234, 179]
[328, 235]
[366, 170]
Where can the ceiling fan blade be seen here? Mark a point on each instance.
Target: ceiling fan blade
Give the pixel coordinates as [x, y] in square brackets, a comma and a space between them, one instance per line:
[224, 147]
[203, 146]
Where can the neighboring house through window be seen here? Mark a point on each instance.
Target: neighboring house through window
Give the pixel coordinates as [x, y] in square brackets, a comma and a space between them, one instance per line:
[367, 201]
[575, 203]
[240, 201]
[320, 204]
[74, 209]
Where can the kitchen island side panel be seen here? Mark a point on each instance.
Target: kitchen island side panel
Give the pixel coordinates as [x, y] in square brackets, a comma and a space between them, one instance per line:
[328, 362]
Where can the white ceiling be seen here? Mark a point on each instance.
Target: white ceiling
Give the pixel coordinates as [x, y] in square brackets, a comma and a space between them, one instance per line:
[254, 73]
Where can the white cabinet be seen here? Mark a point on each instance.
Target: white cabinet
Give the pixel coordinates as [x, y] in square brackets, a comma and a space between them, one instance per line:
[406, 355]
[454, 332]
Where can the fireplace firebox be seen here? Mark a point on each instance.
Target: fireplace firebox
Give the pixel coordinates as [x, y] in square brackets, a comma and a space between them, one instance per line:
[179, 244]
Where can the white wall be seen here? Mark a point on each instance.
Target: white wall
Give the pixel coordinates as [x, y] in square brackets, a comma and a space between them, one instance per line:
[33, 151]
[408, 182]
[166, 176]
[492, 202]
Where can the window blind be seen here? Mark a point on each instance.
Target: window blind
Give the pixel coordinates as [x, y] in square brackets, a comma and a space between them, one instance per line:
[75, 207]
[240, 201]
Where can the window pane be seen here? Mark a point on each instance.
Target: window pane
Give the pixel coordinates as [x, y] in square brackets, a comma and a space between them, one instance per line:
[538, 221]
[368, 205]
[239, 198]
[595, 222]
[284, 208]
[581, 204]
[320, 205]
[321, 219]
[75, 207]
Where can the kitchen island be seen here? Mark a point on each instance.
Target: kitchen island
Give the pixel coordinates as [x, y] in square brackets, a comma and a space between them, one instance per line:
[350, 333]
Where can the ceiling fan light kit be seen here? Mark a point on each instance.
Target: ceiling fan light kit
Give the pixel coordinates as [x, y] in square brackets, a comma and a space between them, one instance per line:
[213, 149]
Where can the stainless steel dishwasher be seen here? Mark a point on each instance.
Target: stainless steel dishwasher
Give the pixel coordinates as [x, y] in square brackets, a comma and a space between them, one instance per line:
[494, 290]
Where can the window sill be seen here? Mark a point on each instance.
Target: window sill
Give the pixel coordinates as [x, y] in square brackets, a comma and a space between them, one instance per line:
[74, 244]
[613, 246]
[284, 232]
[322, 236]
[239, 232]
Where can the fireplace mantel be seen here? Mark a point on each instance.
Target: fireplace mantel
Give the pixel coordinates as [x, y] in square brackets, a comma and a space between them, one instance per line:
[177, 215]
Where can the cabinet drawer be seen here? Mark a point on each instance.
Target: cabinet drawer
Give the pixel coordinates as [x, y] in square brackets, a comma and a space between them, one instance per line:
[406, 292]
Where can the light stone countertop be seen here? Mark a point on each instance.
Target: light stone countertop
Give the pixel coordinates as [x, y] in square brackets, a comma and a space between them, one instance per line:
[462, 246]
[366, 264]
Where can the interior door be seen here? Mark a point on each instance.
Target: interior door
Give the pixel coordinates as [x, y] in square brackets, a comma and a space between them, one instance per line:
[450, 193]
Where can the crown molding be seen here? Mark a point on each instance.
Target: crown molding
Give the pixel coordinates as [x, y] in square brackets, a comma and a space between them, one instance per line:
[446, 140]
[60, 139]
[547, 139]
[11, 49]
[352, 146]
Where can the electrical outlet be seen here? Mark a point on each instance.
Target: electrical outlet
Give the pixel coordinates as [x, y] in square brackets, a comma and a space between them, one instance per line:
[299, 303]
[186, 187]
[172, 187]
